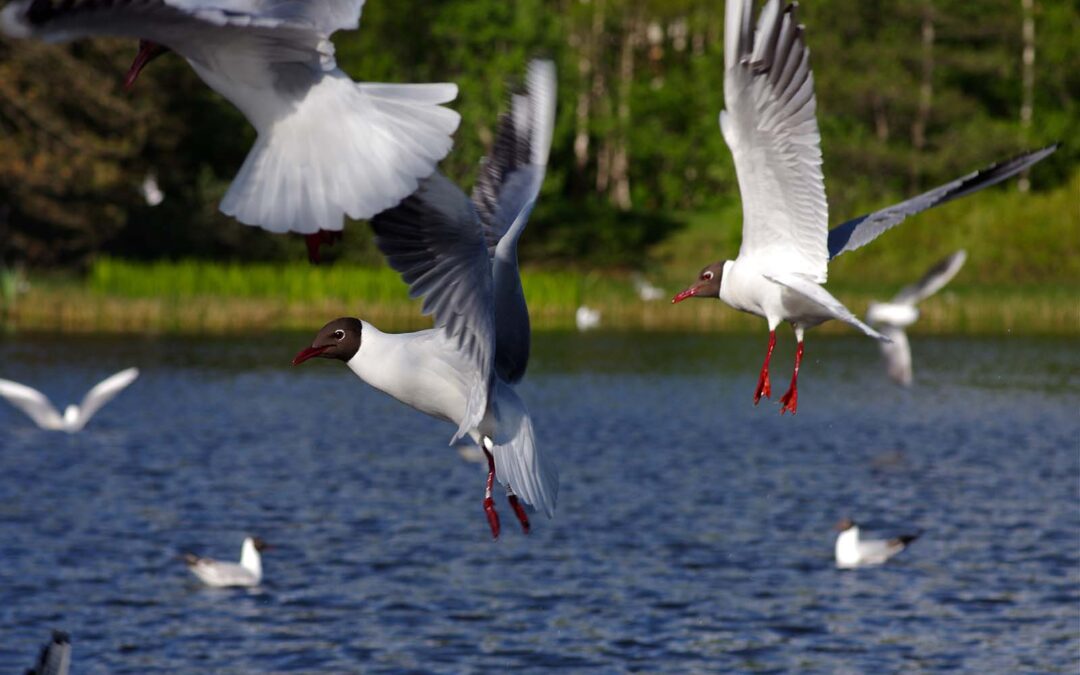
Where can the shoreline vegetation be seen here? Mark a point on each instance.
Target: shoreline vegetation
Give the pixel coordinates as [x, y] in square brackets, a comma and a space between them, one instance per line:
[193, 297]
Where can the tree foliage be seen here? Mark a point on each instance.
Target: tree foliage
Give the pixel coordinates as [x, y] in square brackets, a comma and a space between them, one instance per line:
[910, 94]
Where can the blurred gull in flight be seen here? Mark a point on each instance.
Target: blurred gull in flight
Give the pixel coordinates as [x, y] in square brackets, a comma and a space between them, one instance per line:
[38, 408]
[327, 146]
[461, 256]
[770, 125]
[892, 317]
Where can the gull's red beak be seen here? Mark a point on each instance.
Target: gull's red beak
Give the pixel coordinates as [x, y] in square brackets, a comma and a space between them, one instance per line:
[688, 293]
[308, 353]
[148, 51]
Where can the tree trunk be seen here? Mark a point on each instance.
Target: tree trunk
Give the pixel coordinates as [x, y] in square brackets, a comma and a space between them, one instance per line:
[620, 160]
[1027, 95]
[926, 93]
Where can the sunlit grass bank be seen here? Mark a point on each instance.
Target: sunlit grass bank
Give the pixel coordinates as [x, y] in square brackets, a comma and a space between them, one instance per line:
[203, 297]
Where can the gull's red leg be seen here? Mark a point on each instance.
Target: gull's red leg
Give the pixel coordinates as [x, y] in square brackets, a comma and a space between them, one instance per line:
[519, 510]
[314, 241]
[790, 400]
[489, 502]
[763, 388]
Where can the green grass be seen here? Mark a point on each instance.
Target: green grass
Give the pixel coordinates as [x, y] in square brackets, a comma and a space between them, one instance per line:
[1022, 275]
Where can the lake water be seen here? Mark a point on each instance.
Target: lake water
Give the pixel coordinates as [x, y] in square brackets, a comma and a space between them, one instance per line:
[693, 531]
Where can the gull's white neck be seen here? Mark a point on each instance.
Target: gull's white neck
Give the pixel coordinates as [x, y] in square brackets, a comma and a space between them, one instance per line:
[847, 546]
[727, 284]
[250, 558]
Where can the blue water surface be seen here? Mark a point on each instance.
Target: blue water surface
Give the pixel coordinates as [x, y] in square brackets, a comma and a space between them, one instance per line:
[693, 531]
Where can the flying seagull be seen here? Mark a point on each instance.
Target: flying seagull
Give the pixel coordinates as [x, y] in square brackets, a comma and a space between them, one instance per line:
[38, 408]
[460, 254]
[220, 574]
[771, 127]
[892, 317]
[55, 656]
[851, 551]
[327, 146]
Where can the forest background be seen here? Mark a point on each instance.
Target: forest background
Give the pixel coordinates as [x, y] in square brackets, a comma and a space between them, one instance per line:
[640, 184]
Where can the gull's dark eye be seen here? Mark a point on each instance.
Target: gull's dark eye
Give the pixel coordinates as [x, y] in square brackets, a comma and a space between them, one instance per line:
[339, 334]
[706, 275]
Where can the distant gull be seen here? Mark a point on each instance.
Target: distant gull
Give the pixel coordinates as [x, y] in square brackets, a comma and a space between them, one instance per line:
[771, 127]
[586, 318]
[248, 572]
[851, 551]
[646, 291]
[38, 408]
[461, 256]
[55, 656]
[152, 191]
[892, 317]
[327, 146]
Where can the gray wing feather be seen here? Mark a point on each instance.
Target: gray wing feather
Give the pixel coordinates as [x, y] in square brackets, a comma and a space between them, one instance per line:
[70, 19]
[860, 231]
[55, 656]
[434, 240]
[933, 281]
[506, 190]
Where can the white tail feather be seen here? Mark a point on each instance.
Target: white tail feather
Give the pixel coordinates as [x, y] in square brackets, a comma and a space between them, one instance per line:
[347, 149]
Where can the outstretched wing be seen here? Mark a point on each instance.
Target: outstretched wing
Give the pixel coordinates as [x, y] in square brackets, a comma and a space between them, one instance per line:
[57, 20]
[933, 281]
[32, 402]
[102, 393]
[860, 231]
[511, 175]
[505, 192]
[433, 238]
[260, 43]
[770, 125]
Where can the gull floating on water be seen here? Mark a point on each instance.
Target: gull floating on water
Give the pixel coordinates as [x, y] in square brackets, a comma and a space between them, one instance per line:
[892, 317]
[770, 125]
[38, 408]
[327, 146]
[55, 656]
[851, 551]
[586, 318]
[461, 256]
[220, 574]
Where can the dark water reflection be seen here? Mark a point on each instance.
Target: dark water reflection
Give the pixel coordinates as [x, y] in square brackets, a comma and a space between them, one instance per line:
[693, 531]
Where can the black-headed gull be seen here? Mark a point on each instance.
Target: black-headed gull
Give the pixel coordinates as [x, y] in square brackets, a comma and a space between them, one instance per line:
[770, 125]
[851, 551]
[55, 656]
[221, 574]
[327, 146]
[38, 408]
[460, 255]
[892, 317]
